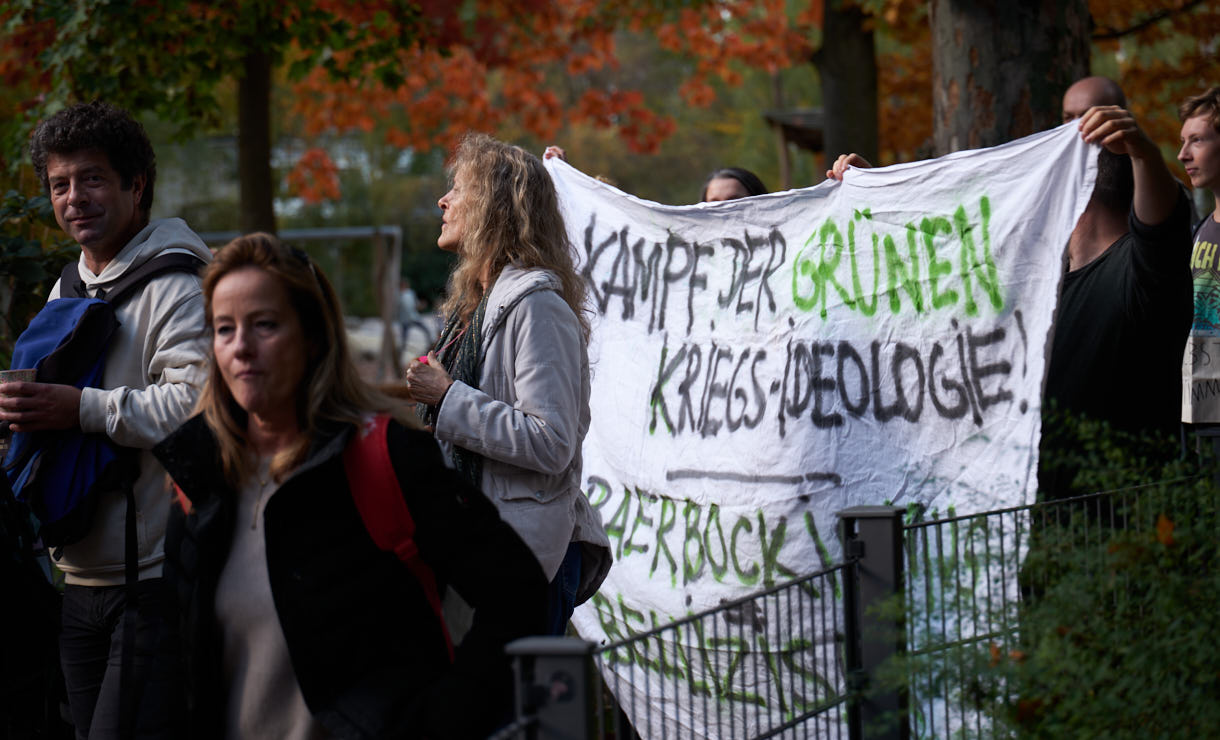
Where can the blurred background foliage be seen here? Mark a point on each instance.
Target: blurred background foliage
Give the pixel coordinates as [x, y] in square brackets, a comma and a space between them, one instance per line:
[32, 252]
[362, 103]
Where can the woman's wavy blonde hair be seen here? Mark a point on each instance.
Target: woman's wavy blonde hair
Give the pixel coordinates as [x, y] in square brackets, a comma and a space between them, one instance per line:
[331, 390]
[510, 215]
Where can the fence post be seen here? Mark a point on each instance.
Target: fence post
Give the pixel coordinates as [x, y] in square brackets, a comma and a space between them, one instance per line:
[873, 620]
[555, 682]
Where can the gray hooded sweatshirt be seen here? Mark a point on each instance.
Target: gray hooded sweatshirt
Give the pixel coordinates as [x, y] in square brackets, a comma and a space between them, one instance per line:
[154, 370]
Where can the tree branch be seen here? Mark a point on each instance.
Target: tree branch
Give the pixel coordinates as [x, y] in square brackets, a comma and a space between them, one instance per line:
[1108, 34]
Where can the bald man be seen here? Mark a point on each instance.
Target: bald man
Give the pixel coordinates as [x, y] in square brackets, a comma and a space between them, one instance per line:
[1091, 91]
[1125, 307]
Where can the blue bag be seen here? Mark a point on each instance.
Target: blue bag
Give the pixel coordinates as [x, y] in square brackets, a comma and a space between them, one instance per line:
[60, 474]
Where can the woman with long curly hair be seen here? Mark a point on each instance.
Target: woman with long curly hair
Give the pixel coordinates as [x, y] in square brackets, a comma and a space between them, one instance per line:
[506, 387]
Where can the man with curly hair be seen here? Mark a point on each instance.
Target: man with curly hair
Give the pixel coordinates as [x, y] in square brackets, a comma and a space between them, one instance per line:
[98, 168]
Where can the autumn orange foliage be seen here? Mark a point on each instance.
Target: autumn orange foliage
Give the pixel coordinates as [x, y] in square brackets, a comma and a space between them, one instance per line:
[315, 177]
[1164, 530]
[19, 53]
[1167, 51]
[476, 75]
[725, 36]
[439, 69]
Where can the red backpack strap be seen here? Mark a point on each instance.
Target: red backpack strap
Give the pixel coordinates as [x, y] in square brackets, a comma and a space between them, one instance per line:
[183, 501]
[378, 496]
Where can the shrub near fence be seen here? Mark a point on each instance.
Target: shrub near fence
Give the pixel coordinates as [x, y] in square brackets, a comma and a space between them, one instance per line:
[1089, 616]
[1115, 631]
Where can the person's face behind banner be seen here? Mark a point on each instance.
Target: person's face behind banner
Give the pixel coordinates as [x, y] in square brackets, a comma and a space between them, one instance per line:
[725, 188]
[259, 343]
[452, 205]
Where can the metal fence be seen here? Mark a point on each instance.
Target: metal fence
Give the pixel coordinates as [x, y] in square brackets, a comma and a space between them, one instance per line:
[901, 624]
[566, 698]
[969, 578]
[715, 673]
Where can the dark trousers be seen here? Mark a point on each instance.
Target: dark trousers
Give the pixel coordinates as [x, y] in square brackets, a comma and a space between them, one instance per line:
[561, 598]
[90, 650]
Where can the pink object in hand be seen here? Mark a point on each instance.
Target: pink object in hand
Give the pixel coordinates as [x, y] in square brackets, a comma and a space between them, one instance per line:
[423, 359]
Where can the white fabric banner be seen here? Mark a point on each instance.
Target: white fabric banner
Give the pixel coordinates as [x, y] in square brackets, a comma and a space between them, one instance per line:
[761, 364]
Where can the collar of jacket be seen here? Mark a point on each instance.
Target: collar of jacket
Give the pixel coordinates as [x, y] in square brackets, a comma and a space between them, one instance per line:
[192, 458]
[159, 236]
[513, 284]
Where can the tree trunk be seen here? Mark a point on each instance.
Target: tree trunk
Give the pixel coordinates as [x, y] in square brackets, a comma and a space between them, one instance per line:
[257, 208]
[847, 65]
[1000, 67]
[781, 141]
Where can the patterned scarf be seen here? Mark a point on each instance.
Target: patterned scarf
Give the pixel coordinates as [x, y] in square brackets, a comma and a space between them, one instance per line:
[459, 348]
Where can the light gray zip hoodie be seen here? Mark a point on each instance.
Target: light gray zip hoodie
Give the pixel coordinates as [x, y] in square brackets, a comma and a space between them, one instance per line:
[528, 419]
[154, 371]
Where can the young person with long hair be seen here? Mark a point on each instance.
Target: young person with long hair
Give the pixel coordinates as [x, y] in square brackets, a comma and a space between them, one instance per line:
[506, 387]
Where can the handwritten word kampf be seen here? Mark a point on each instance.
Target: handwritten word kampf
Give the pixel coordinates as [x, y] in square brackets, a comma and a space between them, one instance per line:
[643, 273]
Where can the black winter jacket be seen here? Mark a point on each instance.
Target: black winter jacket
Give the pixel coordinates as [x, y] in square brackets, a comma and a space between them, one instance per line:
[364, 643]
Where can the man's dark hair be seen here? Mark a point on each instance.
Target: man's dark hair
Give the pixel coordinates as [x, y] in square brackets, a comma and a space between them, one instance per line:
[102, 127]
[1203, 104]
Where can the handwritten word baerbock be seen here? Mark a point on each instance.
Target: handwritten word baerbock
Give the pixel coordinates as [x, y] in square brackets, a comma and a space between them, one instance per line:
[688, 542]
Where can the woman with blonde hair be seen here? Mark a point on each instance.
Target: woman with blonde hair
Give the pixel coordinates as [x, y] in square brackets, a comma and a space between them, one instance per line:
[506, 387]
[297, 620]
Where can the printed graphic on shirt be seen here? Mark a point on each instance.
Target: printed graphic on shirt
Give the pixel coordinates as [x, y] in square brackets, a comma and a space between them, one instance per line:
[1207, 286]
[1201, 362]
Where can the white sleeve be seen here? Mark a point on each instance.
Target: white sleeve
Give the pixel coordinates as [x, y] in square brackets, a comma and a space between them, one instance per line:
[174, 364]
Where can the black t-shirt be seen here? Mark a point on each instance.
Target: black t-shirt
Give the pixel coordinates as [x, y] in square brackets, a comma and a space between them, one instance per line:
[1119, 332]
